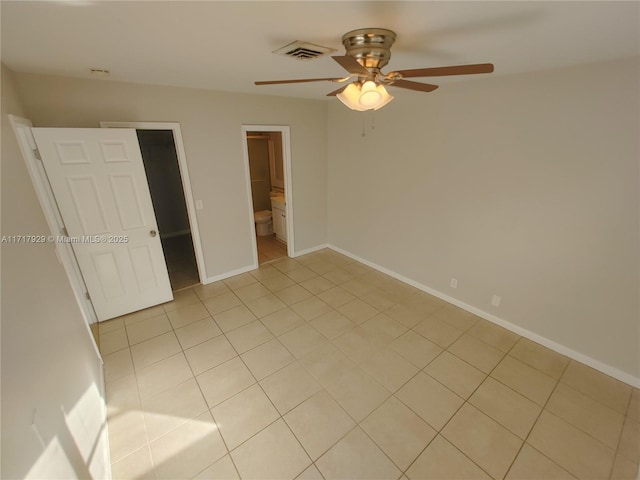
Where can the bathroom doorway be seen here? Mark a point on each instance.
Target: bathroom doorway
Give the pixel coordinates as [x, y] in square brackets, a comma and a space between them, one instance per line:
[267, 156]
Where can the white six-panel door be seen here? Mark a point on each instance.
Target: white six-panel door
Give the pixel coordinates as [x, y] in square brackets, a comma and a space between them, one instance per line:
[99, 182]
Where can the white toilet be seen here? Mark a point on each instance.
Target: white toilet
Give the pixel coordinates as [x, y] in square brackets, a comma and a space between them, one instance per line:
[264, 225]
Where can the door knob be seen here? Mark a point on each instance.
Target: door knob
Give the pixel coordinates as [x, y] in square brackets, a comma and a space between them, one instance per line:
[153, 233]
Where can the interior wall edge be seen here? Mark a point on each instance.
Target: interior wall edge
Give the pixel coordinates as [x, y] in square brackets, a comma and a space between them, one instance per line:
[544, 341]
[223, 276]
[310, 250]
[249, 268]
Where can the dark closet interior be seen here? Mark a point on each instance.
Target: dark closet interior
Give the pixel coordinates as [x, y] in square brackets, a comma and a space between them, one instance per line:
[165, 184]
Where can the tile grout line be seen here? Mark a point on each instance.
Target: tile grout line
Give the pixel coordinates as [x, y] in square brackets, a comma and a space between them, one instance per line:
[144, 422]
[399, 298]
[577, 427]
[307, 321]
[281, 416]
[209, 409]
[438, 432]
[323, 389]
[135, 372]
[616, 452]
[257, 382]
[393, 394]
[533, 426]
[194, 378]
[487, 375]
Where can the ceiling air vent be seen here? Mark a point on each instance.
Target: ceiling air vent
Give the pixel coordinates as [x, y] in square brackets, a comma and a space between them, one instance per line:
[303, 50]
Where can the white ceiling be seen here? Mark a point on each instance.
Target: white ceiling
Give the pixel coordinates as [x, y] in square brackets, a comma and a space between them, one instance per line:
[227, 45]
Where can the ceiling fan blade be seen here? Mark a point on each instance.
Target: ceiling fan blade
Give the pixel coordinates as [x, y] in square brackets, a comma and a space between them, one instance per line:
[351, 65]
[336, 92]
[445, 71]
[302, 80]
[420, 87]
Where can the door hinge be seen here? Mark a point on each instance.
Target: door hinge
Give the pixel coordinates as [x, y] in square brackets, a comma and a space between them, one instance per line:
[86, 294]
[36, 153]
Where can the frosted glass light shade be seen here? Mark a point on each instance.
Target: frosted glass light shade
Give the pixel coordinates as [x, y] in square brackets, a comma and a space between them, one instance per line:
[350, 96]
[364, 97]
[370, 97]
[386, 97]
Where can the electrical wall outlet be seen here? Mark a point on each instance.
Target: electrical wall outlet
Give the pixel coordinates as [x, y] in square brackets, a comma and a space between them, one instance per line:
[495, 301]
[454, 283]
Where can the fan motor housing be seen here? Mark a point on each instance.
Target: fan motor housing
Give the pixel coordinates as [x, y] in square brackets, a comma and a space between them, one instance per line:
[370, 46]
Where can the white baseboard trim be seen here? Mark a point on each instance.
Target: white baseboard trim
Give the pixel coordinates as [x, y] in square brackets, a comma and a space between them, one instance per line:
[546, 342]
[310, 250]
[254, 266]
[223, 276]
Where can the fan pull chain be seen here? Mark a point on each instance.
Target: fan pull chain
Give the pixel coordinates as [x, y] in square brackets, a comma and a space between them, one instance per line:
[364, 123]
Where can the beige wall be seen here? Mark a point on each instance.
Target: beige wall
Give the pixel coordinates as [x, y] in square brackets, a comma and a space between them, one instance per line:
[49, 364]
[523, 186]
[211, 127]
[258, 152]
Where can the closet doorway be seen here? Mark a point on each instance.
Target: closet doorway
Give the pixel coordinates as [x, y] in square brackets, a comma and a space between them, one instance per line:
[163, 176]
[168, 179]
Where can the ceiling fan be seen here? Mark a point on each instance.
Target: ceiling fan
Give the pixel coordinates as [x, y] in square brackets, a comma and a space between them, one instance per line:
[367, 51]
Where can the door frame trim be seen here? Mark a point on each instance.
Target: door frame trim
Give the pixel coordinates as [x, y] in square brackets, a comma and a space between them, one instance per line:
[184, 176]
[285, 131]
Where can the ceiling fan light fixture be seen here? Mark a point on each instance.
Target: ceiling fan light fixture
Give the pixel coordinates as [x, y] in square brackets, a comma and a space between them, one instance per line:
[367, 96]
[386, 97]
[370, 97]
[350, 96]
[367, 50]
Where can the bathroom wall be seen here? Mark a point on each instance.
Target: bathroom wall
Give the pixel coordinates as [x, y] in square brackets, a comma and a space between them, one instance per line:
[258, 149]
[278, 170]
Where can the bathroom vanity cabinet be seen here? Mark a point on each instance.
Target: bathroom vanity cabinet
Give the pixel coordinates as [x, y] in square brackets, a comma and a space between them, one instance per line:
[279, 217]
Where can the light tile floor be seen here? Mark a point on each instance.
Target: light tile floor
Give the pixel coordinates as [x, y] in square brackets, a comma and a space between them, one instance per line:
[321, 367]
[269, 248]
